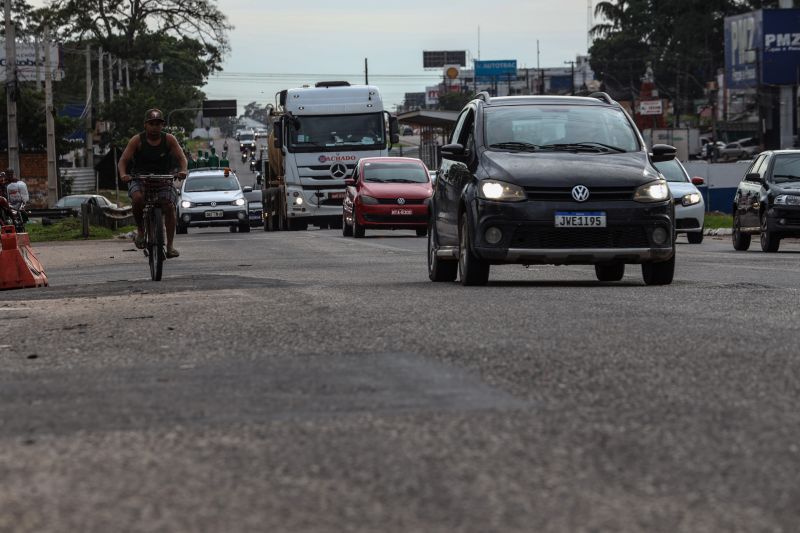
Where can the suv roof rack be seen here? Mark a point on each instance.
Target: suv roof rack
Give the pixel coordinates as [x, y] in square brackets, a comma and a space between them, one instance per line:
[483, 95]
[602, 96]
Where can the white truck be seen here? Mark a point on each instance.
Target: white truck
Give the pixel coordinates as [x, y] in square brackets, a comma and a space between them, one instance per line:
[318, 134]
[687, 141]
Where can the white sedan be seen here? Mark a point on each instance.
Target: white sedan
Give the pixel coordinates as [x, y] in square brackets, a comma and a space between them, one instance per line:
[690, 209]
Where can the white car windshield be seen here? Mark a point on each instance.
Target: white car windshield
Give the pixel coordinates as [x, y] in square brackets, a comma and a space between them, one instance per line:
[672, 170]
[211, 183]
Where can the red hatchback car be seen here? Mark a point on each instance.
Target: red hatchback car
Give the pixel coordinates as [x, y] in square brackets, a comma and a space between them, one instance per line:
[387, 193]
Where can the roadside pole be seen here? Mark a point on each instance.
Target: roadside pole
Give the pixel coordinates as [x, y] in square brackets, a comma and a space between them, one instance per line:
[11, 91]
[52, 178]
[88, 110]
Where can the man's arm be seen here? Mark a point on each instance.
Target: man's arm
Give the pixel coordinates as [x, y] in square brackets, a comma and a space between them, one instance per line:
[23, 190]
[127, 156]
[177, 153]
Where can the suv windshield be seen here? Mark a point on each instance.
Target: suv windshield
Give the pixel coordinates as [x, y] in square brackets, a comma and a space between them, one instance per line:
[211, 183]
[551, 127]
[246, 137]
[332, 132]
[395, 173]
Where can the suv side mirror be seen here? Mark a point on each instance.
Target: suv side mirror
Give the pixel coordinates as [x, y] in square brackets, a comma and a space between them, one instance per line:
[455, 152]
[754, 177]
[698, 181]
[663, 152]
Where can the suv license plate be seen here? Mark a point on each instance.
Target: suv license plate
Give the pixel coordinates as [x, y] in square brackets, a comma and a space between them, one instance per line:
[401, 211]
[213, 214]
[580, 219]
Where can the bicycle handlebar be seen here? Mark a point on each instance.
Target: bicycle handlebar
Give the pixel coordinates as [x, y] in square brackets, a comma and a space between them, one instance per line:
[155, 177]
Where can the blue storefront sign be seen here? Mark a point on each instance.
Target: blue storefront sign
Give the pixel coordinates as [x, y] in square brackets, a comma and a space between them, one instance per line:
[500, 70]
[762, 47]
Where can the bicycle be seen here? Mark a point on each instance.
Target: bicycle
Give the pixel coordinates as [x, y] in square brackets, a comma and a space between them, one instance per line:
[154, 230]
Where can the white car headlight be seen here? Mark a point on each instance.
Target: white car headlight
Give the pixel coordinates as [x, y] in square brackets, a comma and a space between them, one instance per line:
[691, 199]
[239, 201]
[657, 191]
[787, 199]
[186, 204]
[501, 191]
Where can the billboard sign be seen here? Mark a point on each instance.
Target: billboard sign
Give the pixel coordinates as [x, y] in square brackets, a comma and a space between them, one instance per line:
[651, 107]
[29, 58]
[502, 69]
[219, 108]
[780, 57]
[742, 38]
[440, 58]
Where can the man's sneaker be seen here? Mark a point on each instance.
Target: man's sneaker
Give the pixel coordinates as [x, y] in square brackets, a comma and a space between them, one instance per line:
[139, 240]
[172, 252]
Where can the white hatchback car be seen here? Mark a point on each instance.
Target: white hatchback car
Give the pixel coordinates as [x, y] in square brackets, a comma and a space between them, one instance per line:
[690, 209]
[212, 197]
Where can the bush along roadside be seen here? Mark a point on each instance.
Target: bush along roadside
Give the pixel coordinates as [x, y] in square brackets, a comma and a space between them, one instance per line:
[69, 229]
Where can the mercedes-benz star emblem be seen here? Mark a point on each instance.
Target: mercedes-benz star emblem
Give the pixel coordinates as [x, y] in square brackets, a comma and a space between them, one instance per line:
[213, 204]
[401, 201]
[580, 193]
[338, 170]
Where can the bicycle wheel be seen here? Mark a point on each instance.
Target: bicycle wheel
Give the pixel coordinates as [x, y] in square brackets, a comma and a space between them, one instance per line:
[155, 244]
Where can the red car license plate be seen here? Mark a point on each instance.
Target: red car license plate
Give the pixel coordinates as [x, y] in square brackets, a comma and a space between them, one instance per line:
[401, 211]
[336, 195]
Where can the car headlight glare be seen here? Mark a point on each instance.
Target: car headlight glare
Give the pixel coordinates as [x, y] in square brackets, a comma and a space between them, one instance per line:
[298, 201]
[657, 191]
[691, 199]
[239, 201]
[368, 200]
[787, 199]
[186, 204]
[501, 191]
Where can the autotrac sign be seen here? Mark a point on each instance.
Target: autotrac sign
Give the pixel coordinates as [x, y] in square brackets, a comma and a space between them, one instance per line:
[762, 47]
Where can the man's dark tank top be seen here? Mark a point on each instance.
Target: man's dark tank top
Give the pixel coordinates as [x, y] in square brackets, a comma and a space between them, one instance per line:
[153, 159]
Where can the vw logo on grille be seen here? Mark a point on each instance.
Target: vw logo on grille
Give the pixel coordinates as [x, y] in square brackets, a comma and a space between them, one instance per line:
[401, 201]
[213, 204]
[338, 170]
[580, 193]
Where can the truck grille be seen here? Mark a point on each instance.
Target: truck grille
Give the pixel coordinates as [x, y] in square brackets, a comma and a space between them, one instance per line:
[622, 237]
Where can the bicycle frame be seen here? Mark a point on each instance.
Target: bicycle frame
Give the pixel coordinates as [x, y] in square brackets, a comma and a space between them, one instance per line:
[155, 247]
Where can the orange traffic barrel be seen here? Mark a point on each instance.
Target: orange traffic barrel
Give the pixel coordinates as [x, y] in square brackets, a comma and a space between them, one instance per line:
[19, 266]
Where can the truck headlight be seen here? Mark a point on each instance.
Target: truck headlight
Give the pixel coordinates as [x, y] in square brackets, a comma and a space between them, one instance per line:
[239, 201]
[501, 191]
[691, 199]
[787, 199]
[186, 204]
[657, 191]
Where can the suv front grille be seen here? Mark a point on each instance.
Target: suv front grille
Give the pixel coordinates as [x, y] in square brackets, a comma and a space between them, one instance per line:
[564, 194]
[208, 204]
[613, 237]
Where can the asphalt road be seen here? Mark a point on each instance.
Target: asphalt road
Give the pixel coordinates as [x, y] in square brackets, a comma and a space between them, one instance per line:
[309, 382]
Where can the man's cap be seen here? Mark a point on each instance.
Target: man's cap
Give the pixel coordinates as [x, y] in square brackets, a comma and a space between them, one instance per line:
[154, 114]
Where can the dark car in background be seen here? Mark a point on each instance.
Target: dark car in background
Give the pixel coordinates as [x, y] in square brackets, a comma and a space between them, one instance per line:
[550, 180]
[767, 201]
[74, 201]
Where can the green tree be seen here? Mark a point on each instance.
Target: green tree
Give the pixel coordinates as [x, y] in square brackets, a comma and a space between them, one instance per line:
[454, 101]
[257, 112]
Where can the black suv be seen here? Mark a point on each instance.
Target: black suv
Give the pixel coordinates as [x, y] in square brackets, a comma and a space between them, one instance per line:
[550, 180]
[767, 201]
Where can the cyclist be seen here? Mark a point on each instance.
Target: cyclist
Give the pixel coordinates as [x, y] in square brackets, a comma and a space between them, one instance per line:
[153, 152]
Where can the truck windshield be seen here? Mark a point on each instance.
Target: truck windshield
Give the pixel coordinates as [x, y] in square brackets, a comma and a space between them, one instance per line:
[327, 133]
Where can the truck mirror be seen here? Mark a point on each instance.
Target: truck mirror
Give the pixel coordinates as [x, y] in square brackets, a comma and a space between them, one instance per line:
[394, 130]
[278, 131]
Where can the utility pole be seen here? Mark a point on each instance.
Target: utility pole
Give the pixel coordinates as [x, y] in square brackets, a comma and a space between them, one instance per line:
[52, 176]
[572, 75]
[127, 77]
[101, 96]
[88, 110]
[36, 47]
[11, 91]
[366, 71]
[786, 101]
[119, 76]
[110, 78]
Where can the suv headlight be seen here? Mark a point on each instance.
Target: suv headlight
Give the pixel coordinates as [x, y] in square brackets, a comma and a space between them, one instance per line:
[656, 191]
[787, 199]
[239, 201]
[691, 199]
[501, 191]
[186, 204]
[368, 200]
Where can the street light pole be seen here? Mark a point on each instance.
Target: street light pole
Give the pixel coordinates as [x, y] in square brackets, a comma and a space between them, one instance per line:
[572, 75]
[11, 91]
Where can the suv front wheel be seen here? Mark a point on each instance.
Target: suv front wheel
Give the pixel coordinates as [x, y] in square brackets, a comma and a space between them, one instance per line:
[659, 273]
[438, 269]
[471, 269]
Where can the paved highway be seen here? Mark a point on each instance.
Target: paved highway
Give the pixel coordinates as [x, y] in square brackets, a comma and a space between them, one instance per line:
[310, 382]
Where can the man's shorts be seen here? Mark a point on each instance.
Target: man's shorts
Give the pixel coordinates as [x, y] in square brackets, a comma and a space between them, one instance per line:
[165, 191]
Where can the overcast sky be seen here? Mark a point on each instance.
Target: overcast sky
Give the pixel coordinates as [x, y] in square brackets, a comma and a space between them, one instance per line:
[277, 45]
